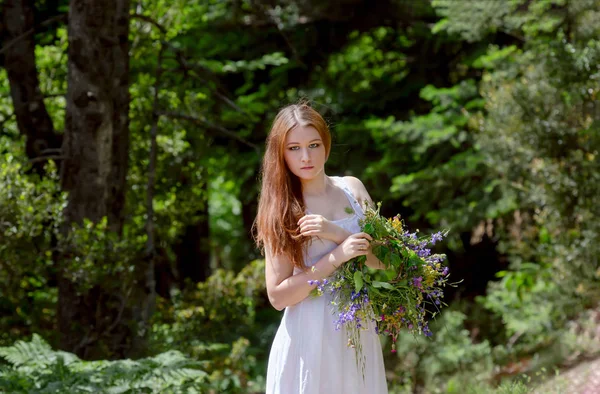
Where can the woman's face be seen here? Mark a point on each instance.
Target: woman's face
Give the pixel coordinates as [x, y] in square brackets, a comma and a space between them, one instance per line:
[304, 152]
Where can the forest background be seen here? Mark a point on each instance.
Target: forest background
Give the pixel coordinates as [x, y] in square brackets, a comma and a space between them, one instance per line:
[131, 134]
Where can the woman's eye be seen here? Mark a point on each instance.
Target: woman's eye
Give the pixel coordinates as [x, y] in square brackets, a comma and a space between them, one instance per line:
[315, 145]
[294, 148]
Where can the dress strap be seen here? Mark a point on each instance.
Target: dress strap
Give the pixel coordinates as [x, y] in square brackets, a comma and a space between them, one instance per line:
[344, 185]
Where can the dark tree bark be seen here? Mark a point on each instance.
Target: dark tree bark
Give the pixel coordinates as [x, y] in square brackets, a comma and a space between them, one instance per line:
[249, 200]
[104, 321]
[18, 47]
[192, 249]
[96, 127]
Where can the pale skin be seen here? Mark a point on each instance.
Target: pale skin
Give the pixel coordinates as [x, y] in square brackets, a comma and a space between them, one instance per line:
[305, 156]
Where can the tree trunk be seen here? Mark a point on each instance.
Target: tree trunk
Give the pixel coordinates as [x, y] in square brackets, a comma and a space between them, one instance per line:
[18, 48]
[105, 321]
[249, 200]
[193, 250]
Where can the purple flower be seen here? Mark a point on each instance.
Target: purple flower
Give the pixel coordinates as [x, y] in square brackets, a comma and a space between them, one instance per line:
[435, 259]
[417, 281]
[424, 253]
[426, 330]
[436, 237]
[445, 271]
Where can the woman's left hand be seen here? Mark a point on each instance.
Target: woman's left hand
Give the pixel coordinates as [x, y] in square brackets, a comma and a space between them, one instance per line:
[318, 226]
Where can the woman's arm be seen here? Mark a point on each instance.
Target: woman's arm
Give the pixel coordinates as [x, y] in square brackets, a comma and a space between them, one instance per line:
[319, 226]
[285, 289]
[364, 199]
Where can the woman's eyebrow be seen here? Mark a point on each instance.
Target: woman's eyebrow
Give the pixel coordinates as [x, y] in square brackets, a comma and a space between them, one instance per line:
[316, 139]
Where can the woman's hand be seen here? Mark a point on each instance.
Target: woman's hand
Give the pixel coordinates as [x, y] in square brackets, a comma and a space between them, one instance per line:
[318, 226]
[358, 244]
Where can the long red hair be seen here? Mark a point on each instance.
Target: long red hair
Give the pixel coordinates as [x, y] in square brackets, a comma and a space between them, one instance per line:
[281, 204]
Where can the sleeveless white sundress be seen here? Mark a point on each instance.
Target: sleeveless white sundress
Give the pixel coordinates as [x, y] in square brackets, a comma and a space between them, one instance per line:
[308, 355]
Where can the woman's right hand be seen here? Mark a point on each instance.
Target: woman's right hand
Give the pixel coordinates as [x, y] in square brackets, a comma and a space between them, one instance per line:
[355, 245]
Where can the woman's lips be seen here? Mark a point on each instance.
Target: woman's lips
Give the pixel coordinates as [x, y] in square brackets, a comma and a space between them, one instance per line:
[306, 168]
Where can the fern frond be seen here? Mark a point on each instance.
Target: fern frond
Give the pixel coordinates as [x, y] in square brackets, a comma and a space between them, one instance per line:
[36, 352]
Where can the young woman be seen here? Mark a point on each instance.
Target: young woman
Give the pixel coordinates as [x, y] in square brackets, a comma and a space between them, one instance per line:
[307, 225]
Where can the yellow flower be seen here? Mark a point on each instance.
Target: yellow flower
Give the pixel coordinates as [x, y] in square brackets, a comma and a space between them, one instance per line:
[429, 275]
[396, 223]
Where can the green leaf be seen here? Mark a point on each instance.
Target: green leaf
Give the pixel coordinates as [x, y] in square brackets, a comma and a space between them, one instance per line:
[413, 259]
[381, 252]
[383, 285]
[373, 291]
[358, 281]
[396, 260]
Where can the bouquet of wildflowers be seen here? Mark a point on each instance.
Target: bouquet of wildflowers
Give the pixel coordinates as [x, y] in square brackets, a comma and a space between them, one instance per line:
[396, 298]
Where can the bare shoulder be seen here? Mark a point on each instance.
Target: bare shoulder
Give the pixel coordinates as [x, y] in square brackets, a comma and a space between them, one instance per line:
[358, 190]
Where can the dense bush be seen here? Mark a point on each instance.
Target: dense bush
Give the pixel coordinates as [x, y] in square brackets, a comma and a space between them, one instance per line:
[226, 320]
[30, 213]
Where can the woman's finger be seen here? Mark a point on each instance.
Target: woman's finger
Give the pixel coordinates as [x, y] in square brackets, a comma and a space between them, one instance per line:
[364, 235]
[309, 227]
[306, 218]
[303, 219]
[307, 222]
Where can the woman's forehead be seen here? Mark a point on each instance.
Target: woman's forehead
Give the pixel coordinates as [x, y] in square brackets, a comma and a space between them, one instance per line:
[301, 134]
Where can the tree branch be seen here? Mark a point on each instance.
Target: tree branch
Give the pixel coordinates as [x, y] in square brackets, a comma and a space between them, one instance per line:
[276, 20]
[47, 22]
[211, 126]
[45, 158]
[153, 22]
[182, 60]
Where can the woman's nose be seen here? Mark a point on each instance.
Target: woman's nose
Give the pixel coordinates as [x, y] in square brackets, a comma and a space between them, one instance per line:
[305, 155]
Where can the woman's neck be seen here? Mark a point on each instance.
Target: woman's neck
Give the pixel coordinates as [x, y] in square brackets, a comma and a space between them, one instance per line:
[317, 186]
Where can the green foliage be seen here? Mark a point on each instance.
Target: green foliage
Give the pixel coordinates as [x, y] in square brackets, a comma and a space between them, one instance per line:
[521, 18]
[220, 309]
[94, 255]
[447, 357]
[51, 62]
[441, 174]
[30, 214]
[541, 134]
[33, 367]
[529, 303]
[371, 63]
[213, 321]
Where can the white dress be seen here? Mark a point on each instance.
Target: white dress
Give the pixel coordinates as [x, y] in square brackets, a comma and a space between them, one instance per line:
[308, 355]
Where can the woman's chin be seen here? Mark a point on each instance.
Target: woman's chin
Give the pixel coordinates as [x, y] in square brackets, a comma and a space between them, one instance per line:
[304, 176]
